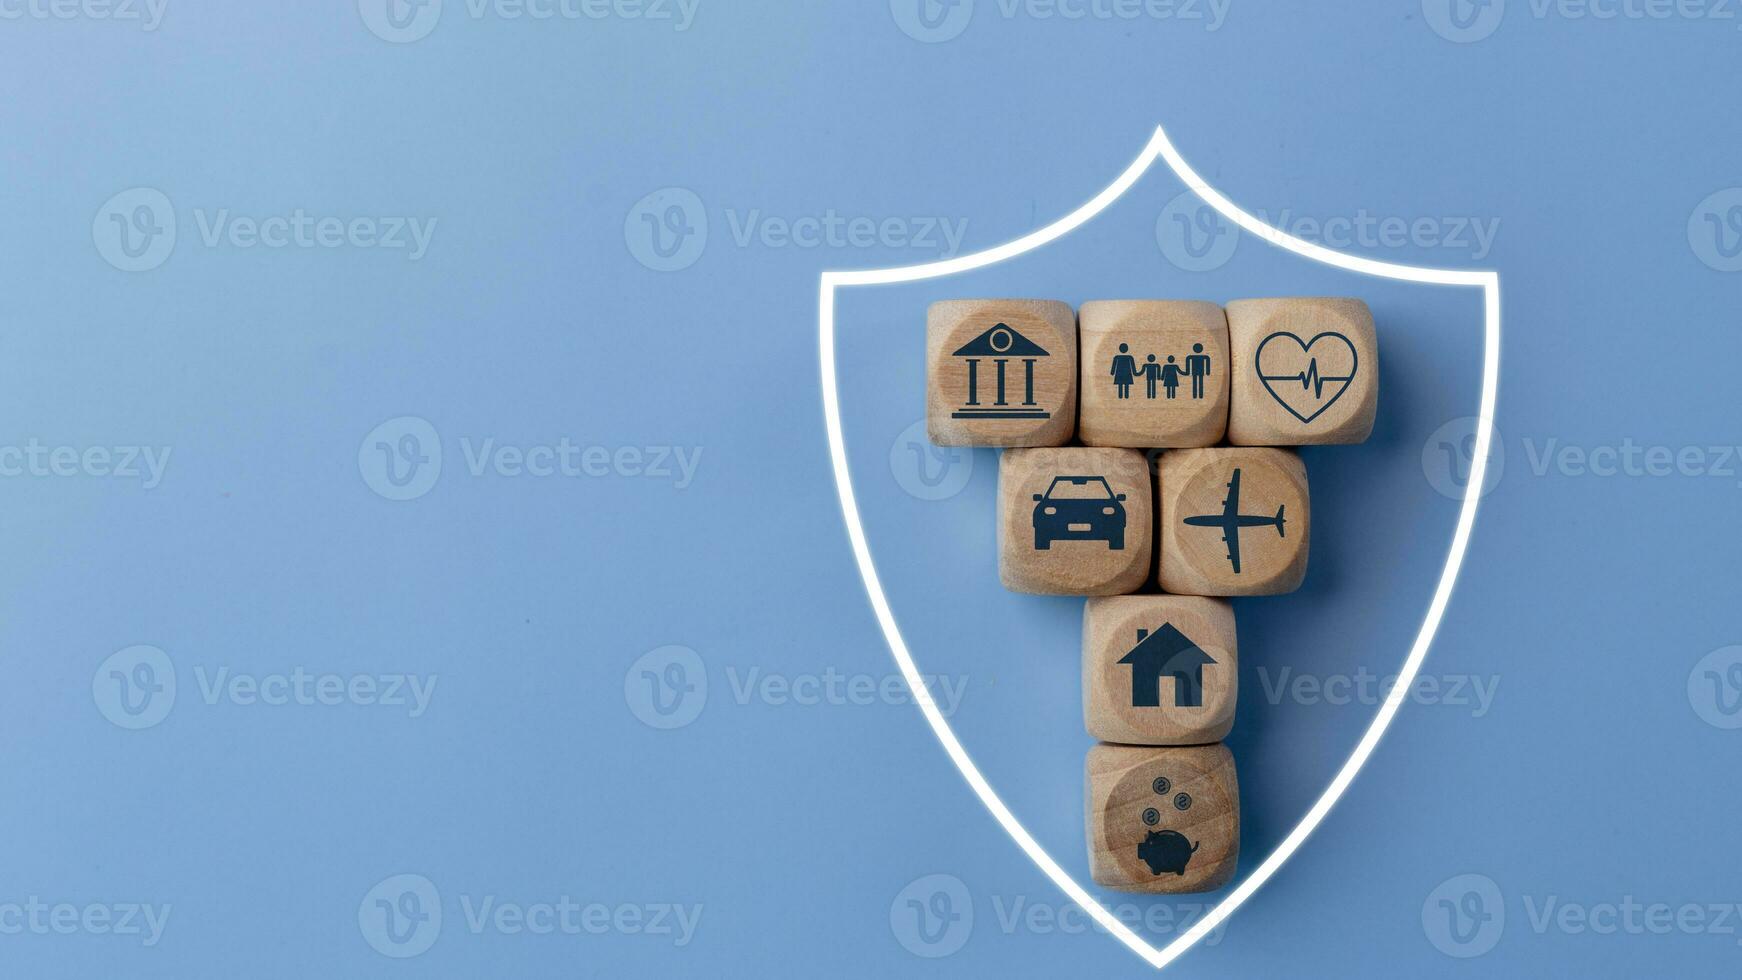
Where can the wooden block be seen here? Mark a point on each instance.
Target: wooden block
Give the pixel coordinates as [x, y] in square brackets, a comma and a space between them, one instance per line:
[1159, 669]
[1154, 373]
[1305, 371]
[1233, 521]
[1001, 372]
[1162, 820]
[1074, 521]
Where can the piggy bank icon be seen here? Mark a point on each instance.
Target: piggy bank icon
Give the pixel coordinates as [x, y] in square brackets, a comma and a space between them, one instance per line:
[1166, 850]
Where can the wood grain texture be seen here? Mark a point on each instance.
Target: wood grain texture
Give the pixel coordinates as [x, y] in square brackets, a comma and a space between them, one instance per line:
[1194, 558]
[987, 386]
[1132, 702]
[1039, 552]
[1282, 351]
[1162, 820]
[1162, 330]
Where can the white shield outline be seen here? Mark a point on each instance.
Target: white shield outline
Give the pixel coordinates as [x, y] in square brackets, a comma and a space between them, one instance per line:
[1160, 147]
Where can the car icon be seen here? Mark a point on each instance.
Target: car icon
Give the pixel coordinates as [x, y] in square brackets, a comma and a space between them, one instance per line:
[1079, 508]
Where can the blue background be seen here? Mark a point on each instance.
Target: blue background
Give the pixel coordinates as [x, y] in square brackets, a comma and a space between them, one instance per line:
[536, 316]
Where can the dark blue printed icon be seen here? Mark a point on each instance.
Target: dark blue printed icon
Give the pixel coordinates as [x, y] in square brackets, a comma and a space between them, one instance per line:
[1305, 376]
[999, 346]
[1079, 508]
[1166, 653]
[1166, 851]
[1230, 520]
[1125, 371]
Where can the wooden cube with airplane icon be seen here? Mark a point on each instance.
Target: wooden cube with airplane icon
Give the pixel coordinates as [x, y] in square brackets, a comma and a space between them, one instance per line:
[1305, 371]
[1234, 521]
[1159, 669]
[1162, 820]
[1074, 520]
[1001, 372]
[1154, 373]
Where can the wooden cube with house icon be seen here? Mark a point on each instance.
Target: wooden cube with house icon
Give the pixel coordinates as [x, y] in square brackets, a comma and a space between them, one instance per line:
[1159, 669]
[1153, 373]
[1001, 372]
[1074, 520]
[1305, 371]
[1234, 521]
[1162, 820]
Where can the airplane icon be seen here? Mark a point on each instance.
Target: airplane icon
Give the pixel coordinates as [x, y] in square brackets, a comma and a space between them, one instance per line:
[1230, 520]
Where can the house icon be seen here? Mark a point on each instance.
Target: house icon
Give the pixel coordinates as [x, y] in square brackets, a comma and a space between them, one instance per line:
[1166, 652]
[1001, 344]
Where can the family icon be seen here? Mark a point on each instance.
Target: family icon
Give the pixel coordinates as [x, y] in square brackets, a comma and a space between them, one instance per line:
[1126, 371]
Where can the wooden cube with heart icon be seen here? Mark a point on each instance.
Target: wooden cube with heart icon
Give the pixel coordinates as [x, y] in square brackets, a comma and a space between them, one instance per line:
[1154, 373]
[1305, 371]
[1001, 372]
[1233, 521]
[1074, 520]
[1159, 669]
[1162, 820]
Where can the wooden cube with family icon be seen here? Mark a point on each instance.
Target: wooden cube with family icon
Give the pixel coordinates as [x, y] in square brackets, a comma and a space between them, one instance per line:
[1153, 373]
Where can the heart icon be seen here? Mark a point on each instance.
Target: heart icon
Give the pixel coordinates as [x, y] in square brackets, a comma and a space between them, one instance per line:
[1305, 376]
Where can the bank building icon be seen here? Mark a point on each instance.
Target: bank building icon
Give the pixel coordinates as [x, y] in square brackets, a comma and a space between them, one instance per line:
[999, 346]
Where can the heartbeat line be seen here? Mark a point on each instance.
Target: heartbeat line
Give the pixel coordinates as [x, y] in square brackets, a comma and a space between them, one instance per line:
[1310, 378]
